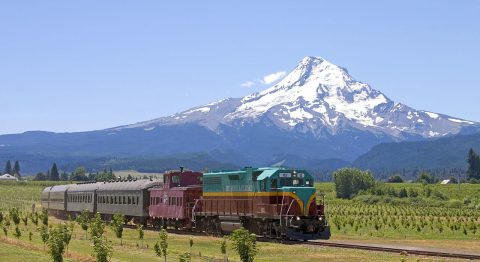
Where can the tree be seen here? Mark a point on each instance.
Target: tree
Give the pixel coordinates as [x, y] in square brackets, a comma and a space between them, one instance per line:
[349, 181]
[403, 193]
[105, 176]
[161, 246]
[67, 234]
[395, 179]
[40, 176]
[64, 176]
[54, 175]
[223, 248]
[245, 244]
[16, 169]
[17, 232]
[84, 220]
[426, 178]
[8, 168]
[44, 217]
[97, 227]
[44, 235]
[15, 215]
[102, 251]
[140, 233]
[79, 174]
[473, 161]
[117, 225]
[56, 243]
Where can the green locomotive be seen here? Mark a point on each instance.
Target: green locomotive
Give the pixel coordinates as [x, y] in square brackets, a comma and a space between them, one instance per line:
[274, 202]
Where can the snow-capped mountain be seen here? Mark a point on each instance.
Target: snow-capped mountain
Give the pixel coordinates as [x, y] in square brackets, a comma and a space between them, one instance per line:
[317, 113]
[318, 97]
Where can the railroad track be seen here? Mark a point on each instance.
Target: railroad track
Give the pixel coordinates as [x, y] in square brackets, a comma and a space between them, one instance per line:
[409, 251]
[398, 250]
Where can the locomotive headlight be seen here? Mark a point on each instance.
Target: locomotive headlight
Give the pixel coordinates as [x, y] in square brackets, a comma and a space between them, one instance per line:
[320, 218]
[298, 218]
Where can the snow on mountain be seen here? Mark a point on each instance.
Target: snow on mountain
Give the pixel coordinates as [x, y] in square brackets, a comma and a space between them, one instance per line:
[318, 96]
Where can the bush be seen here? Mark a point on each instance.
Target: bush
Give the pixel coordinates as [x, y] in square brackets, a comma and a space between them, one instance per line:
[349, 181]
[101, 249]
[245, 244]
[395, 179]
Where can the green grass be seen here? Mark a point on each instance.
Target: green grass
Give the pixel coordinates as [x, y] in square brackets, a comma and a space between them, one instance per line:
[342, 212]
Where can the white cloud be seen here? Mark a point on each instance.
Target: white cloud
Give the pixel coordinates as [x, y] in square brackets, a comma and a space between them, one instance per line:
[248, 84]
[268, 79]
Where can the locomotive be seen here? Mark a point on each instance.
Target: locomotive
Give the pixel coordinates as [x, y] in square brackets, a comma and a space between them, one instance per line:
[272, 202]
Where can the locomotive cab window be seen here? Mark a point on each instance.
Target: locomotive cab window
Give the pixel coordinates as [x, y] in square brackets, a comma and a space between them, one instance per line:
[274, 183]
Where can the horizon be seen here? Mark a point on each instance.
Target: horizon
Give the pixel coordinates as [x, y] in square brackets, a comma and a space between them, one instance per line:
[116, 65]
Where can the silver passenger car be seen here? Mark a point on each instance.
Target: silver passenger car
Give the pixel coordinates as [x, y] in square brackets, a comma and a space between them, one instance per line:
[53, 198]
[82, 197]
[130, 198]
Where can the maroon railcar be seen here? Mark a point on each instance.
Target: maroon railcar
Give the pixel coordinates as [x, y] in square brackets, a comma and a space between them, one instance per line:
[172, 204]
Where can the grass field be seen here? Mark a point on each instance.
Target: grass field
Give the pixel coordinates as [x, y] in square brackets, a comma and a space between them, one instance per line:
[346, 213]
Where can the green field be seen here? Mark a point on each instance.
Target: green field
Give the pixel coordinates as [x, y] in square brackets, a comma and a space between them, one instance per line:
[350, 219]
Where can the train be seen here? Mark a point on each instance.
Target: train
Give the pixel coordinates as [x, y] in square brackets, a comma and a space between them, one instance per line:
[273, 202]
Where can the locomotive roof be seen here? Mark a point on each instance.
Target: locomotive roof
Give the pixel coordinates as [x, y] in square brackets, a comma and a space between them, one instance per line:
[129, 185]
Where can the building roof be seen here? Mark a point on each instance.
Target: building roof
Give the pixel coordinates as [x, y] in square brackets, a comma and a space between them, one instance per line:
[7, 177]
[129, 185]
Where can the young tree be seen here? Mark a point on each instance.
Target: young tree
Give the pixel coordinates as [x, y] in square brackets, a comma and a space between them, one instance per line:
[245, 244]
[84, 220]
[403, 193]
[44, 217]
[16, 169]
[44, 235]
[97, 227]
[15, 215]
[67, 234]
[223, 248]
[102, 251]
[161, 246]
[17, 232]
[54, 175]
[117, 225]
[8, 168]
[25, 220]
[56, 243]
[34, 218]
[140, 233]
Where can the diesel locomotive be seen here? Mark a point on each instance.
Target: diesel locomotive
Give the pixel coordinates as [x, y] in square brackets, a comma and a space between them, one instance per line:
[272, 202]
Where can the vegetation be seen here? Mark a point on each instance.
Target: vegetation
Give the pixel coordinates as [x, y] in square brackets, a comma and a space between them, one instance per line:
[102, 251]
[117, 225]
[473, 161]
[84, 221]
[244, 243]
[97, 226]
[56, 243]
[161, 246]
[349, 181]
[395, 179]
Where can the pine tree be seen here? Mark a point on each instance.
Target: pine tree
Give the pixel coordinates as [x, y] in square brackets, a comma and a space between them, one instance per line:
[8, 168]
[54, 175]
[473, 160]
[16, 169]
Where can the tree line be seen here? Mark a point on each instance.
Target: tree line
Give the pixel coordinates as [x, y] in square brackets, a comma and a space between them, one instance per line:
[14, 171]
[79, 174]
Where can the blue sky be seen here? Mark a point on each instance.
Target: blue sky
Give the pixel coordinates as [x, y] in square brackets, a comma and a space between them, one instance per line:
[84, 65]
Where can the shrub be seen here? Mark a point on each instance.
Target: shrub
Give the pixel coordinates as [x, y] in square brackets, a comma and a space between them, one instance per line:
[395, 179]
[102, 251]
[245, 244]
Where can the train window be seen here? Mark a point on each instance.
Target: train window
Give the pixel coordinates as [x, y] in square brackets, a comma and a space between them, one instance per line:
[137, 200]
[129, 198]
[176, 179]
[133, 200]
[285, 182]
[115, 200]
[111, 199]
[124, 202]
[273, 183]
